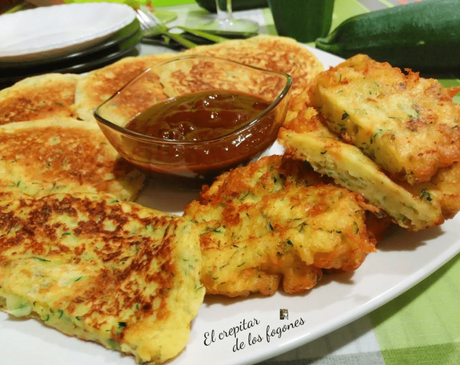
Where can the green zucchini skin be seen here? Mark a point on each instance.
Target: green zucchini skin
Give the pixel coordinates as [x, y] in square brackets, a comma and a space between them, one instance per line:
[421, 36]
[210, 5]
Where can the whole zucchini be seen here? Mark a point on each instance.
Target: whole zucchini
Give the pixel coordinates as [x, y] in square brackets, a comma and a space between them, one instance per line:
[421, 36]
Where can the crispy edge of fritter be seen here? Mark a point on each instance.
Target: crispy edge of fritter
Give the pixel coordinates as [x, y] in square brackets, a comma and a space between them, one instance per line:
[444, 187]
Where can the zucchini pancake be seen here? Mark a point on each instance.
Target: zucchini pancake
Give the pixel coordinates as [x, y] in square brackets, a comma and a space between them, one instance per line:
[308, 139]
[275, 53]
[39, 97]
[117, 273]
[270, 52]
[195, 74]
[62, 155]
[100, 84]
[273, 221]
[408, 125]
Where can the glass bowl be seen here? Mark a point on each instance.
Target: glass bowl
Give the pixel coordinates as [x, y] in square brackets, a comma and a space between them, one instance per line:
[183, 77]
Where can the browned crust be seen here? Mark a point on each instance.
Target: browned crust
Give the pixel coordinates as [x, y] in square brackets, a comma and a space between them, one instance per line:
[39, 97]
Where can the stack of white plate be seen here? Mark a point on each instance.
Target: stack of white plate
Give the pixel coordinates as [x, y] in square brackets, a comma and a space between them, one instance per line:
[67, 38]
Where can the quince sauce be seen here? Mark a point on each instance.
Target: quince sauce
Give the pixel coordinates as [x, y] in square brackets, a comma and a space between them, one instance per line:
[198, 117]
[198, 120]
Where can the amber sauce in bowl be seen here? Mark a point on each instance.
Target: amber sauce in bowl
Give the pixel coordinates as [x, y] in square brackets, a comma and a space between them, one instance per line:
[207, 123]
[196, 135]
[198, 117]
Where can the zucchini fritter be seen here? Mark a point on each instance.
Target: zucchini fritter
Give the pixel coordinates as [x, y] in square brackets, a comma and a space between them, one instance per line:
[276, 219]
[269, 52]
[39, 97]
[63, 155]
[407, 124]
[308, 139]
[276, 53]
[112, 272]
[100, 84]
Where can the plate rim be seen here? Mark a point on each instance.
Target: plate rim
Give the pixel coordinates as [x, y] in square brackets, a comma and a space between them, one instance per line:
[113, 40]
[123, 49]
[56, 11]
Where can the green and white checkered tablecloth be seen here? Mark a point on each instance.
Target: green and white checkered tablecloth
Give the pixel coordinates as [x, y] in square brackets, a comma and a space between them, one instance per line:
[421, 326]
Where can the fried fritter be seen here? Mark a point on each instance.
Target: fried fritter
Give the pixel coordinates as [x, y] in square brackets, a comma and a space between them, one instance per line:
[269, 52]
[308, 139]
[276, 220]
[197, 74]
[273, 53]
[60, 155]
[39, 97]
[99, 85]
[407, 124]
[112, 272]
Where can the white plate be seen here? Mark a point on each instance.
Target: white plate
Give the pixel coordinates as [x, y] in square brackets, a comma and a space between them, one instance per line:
[59, 30]
[402, 260]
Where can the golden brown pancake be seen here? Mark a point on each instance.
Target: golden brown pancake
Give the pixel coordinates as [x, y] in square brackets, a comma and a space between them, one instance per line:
[112, 272]
[99, 85]
[276, 220]
[273, 53]
[408, 125]
[269, 52]
[39, 97]
[195, 75]
[58, 155]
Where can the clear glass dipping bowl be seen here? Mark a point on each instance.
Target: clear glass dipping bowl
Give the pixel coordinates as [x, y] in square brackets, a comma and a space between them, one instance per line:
[186, 75]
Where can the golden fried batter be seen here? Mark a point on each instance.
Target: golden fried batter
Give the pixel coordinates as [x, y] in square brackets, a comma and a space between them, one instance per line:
[407, 124]
[308, 139]
[39, 97]
[99, 85]
[60, 155]
[116, 273]
[269, 52]
[275, 220]
[273, 53]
